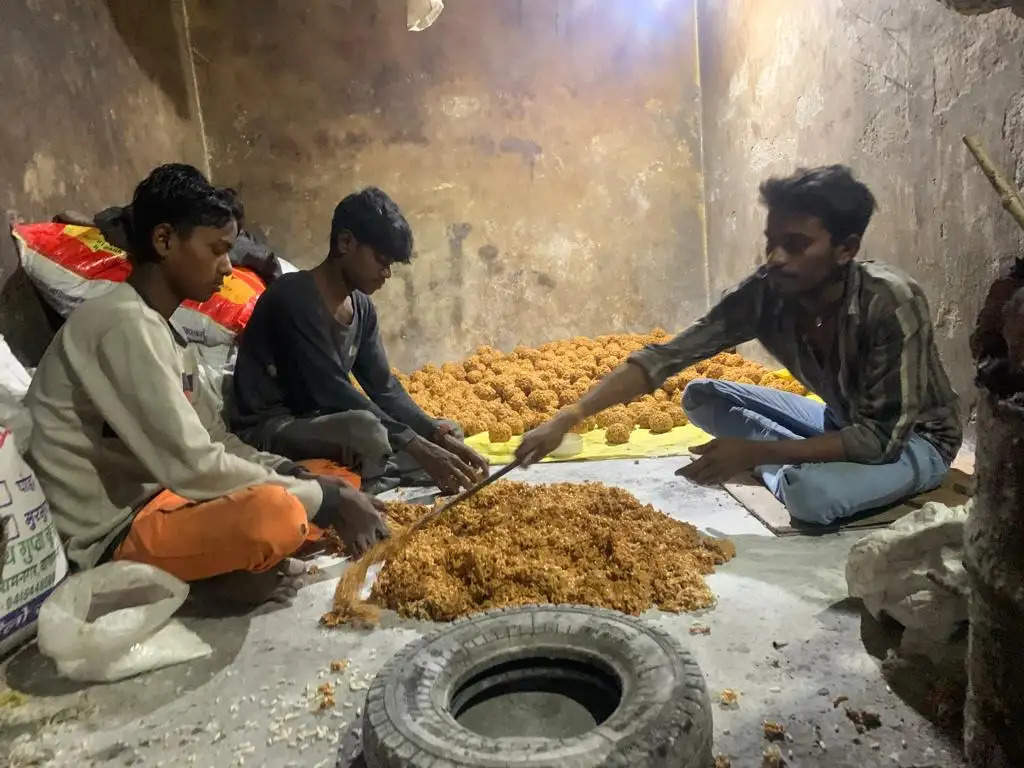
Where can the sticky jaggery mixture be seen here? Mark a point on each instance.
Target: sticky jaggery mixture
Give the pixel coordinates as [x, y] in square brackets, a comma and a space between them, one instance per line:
[509, 393]
[515, 543]
[617, 434]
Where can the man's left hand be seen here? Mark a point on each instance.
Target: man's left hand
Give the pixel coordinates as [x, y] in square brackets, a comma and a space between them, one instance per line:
[467, 454]
[720, 460]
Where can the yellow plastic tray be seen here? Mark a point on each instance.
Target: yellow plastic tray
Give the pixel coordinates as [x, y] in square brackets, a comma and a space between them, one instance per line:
[642, 443]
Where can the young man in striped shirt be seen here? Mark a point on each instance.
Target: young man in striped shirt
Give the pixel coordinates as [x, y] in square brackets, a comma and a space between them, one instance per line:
[857, 333]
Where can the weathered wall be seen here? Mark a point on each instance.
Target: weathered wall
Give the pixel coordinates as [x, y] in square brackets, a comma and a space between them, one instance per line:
[546, 153]
[890, 89]
[97, 92]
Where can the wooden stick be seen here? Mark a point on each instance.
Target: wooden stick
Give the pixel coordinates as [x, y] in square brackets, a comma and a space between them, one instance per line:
[438, 511]
[348, 608]
[1008, 194]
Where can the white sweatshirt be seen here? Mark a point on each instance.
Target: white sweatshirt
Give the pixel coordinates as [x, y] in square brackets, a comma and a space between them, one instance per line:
[122, 409]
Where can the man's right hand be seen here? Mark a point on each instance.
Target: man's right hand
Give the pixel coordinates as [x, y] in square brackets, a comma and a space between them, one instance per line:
[445, 468]
[359, 521]
[539, 442]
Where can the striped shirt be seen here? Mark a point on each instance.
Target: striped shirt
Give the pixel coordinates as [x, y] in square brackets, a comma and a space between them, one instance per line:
[882, 383]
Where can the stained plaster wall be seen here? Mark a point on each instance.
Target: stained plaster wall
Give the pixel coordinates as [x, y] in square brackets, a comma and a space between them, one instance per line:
[546, 153]
[890, 89]
[97, 92]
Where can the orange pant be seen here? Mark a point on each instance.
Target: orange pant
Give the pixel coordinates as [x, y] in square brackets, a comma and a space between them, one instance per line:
[250, 530]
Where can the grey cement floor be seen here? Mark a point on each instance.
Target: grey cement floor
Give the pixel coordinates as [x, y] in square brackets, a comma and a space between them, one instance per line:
[783, 635]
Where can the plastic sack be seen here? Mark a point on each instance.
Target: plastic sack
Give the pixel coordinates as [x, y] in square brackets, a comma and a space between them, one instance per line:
[70, 264]
[15, 417]
[114, 621]
[914, 573]
[13, 375]
[14, 383]
[31, 556]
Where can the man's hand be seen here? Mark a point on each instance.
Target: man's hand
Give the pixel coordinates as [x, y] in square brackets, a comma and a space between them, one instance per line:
[467, 454]
[444, 467]
[720, 460]
[359, 521]
[539, 442]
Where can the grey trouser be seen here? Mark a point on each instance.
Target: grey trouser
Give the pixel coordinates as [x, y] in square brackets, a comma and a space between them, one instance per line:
[354, 439]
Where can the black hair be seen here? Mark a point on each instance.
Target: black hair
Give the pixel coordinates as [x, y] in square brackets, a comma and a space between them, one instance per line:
[235, 201]
[175, 194]
[375, 220]
[830, 193]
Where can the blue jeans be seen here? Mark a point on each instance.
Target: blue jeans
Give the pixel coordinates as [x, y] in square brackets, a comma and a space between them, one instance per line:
[814, 493]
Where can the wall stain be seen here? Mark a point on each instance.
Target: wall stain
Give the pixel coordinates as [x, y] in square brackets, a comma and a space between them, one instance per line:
[355, 139]
[546, 281]
[527, 149]
[351, 140]
[411, 135]
[286, 146]
[489, 256]
[389, 74]
[411, 325]
[485, 144]
[322, 140]
[457, 233]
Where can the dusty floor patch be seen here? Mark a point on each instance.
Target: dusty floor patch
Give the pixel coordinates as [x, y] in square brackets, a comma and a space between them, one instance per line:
[782, 634]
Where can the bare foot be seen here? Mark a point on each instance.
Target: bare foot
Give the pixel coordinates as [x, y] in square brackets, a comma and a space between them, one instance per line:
[278, 585]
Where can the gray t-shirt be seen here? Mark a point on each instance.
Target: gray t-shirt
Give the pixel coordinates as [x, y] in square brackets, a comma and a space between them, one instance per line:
[122, 409]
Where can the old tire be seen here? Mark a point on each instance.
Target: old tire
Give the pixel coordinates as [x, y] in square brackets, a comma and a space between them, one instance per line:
[662, 718]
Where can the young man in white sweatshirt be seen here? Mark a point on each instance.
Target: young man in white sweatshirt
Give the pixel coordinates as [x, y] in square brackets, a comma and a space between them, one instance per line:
[129, 444]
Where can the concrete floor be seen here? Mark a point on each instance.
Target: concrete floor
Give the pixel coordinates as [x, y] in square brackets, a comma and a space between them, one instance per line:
[783, 634]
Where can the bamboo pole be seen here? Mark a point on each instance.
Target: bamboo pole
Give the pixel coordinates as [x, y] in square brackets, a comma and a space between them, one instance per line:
[1008, 193]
